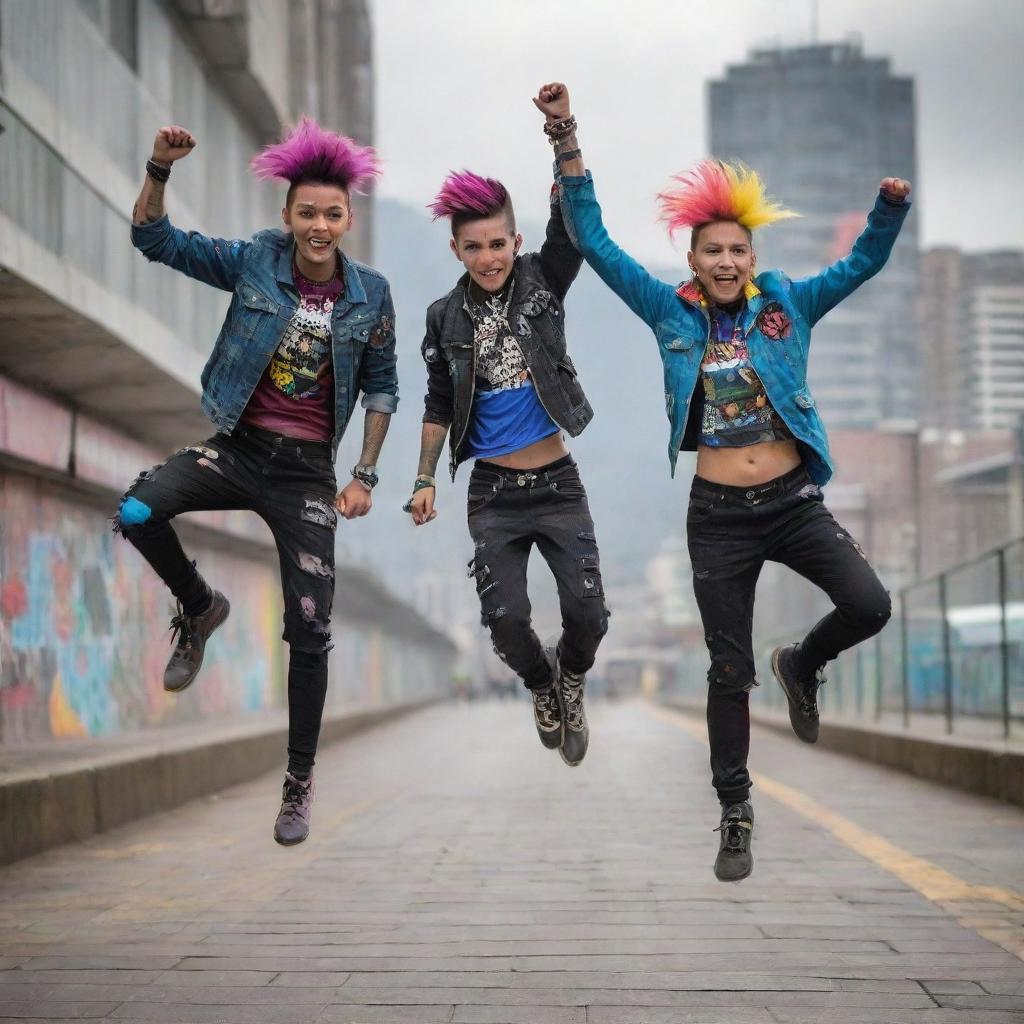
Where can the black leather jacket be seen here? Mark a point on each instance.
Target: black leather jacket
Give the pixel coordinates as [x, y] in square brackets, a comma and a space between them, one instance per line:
[536, 317]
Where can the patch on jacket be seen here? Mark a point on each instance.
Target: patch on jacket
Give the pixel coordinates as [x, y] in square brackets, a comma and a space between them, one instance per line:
[773, 323]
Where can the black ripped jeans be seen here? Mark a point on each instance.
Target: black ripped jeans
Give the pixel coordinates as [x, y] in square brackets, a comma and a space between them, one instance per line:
[731, 533]
[290, 484]
[509, 511]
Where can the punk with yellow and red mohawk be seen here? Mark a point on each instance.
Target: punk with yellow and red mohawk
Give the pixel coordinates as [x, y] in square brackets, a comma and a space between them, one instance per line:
[715, 190]
[310, 153]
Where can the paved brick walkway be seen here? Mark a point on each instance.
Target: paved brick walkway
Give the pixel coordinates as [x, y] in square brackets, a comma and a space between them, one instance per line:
[459, 872]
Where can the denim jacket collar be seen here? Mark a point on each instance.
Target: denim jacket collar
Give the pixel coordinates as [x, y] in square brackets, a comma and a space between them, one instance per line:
[355, 293]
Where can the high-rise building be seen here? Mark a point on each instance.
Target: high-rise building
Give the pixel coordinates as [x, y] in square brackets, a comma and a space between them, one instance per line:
[972, 331]
[824, 124]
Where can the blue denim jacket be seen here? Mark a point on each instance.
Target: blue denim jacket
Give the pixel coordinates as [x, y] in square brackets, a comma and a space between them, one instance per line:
[778, 319]
[259, 273]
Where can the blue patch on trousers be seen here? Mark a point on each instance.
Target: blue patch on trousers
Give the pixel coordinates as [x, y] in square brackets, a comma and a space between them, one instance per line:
[134, 512]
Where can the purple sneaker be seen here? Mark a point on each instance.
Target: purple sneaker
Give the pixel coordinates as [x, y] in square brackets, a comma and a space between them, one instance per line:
[292, 825]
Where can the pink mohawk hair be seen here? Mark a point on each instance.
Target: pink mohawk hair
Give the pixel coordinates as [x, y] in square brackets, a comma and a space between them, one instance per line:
[465, 192]
[309, 153]
[715, 190]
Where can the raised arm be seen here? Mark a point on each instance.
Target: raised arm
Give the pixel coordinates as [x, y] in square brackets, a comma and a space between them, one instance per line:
[213, 261]
[651, 299]
[815, 296]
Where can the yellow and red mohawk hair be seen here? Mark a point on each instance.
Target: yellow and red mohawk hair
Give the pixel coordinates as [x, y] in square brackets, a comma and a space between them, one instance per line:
[716, 190]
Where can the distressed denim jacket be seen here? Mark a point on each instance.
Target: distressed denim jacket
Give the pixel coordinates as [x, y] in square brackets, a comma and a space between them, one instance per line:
[259, 273]
[779, 315]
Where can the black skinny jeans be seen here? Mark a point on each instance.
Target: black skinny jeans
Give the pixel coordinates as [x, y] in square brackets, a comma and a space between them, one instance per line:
[509, 511]
[291, 485]
[731, 533]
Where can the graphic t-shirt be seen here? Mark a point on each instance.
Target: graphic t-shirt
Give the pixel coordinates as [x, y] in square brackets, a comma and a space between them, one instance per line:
[737, 411]
[507, 413]
[295, 395]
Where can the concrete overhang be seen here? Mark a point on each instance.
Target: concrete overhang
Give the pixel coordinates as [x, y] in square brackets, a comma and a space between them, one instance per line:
[56, 350]
[991, 469]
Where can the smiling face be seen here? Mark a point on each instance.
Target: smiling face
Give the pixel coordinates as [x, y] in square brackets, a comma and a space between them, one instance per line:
[487, 249]
[722, 258]
[318, 217]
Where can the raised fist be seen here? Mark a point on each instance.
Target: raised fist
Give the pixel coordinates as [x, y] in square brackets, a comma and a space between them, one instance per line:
[172, 144]
[895, 189]
[553, 101]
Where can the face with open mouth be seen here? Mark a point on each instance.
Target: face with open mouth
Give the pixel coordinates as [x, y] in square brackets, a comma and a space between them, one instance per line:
[318, 217]
[722, 259]
[487, 249]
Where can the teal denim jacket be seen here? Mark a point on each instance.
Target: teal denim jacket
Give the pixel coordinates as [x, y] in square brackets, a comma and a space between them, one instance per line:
[778, 319]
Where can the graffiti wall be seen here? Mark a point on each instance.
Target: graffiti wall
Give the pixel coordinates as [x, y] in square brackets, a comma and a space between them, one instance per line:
[84, 625]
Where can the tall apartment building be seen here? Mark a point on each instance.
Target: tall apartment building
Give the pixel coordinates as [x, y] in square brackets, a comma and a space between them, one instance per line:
[824, 124]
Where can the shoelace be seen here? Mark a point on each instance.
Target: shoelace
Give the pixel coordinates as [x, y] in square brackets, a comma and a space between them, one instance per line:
[734, 833]
[809, 701]
[181, 629]
[572, 692]
[294, 793]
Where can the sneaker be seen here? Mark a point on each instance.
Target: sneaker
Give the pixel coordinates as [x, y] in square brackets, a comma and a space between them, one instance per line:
[547, 716]
[576, 732]
[191, 633]
[292, 825]
[735, 861]
[801, 692]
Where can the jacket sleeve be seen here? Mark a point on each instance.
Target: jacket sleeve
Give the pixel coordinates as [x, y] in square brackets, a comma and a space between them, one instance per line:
[378, 374]
[439, 398]
[815, 296]
[651, 299]
[214, 261]
[560, 260]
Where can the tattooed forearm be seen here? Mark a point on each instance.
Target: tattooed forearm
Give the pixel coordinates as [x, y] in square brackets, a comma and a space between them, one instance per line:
[375, 429]
[431, 446]
[149, 206]
[575, 166]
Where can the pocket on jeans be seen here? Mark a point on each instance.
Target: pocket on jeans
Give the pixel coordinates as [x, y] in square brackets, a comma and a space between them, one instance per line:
[479, 498]
[699, 509]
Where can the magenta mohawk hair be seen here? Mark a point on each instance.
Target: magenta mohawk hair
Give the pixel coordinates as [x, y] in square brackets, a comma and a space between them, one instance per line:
[465, 192]
[308, 153]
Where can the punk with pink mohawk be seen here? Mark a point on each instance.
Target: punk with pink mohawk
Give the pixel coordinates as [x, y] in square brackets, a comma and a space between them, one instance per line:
[715, 190]
[308, 153]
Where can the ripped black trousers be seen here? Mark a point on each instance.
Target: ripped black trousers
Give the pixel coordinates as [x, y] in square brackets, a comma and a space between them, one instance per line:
[509, 511]
[290, 484]
[731, 533]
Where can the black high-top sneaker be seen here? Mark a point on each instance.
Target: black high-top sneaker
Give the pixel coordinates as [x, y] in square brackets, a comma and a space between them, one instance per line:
[575, 732]
[191, 633]
[801, 690]
[735, 861]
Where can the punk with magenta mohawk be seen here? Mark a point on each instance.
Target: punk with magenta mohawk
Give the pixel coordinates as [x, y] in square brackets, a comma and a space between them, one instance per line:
[716, 190]
[308, 153]
[465, 196]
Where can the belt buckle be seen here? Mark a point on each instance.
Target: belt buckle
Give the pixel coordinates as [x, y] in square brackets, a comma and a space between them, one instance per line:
[526, 478]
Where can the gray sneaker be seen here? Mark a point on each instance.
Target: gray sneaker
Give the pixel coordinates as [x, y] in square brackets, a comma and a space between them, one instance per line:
[191, 633]
[735, 861]
[292, 825]
[801, 692]
[576, 731]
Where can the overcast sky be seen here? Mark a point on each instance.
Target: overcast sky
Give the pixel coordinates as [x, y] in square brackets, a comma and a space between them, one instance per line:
[454, 80]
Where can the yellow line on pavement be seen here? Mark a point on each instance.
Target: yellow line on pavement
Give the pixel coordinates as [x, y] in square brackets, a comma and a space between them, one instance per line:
[933, 882]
